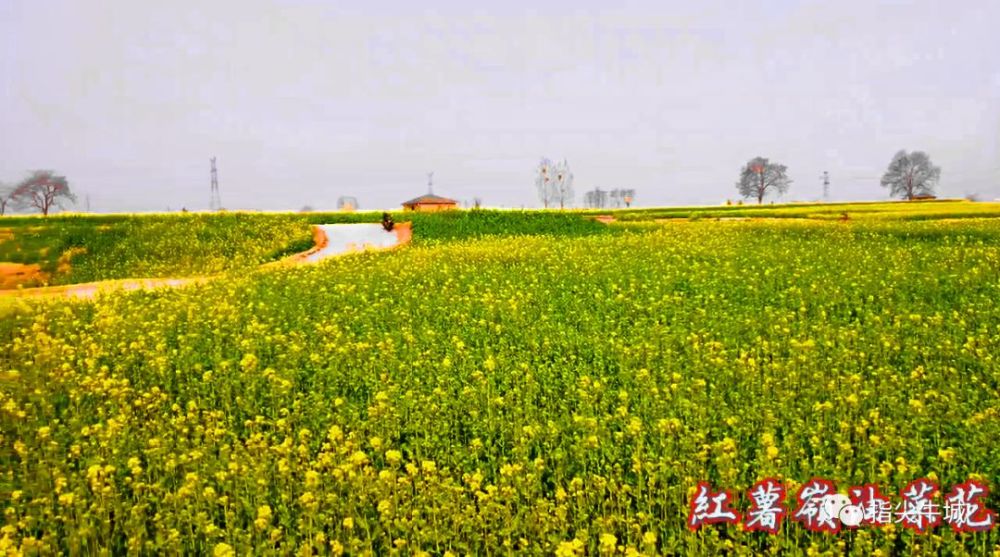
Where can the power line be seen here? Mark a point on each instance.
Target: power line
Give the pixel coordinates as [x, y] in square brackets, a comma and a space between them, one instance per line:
[216, 202]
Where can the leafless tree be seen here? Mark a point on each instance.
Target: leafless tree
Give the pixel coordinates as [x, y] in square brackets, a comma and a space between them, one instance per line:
[43, 190]
[596, 198]
[7, 200]
[615, 197]
[545, 182]
[564, 184]
[621, 196]
[911, 174]
[761, 176]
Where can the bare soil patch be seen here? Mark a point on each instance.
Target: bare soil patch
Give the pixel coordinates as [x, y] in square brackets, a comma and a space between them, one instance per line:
[13, 275]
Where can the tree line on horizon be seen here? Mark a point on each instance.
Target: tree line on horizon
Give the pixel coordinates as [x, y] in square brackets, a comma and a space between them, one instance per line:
[910, 175]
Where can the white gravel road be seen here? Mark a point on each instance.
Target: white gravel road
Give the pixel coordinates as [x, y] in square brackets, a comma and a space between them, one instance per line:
[344, 238]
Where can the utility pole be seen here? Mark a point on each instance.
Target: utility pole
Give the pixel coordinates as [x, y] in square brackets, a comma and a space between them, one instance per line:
[216, 202]
[826, 185]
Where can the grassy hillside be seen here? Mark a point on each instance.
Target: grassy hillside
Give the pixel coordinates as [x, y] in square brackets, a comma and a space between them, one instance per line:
[531, 394]
[82, 248]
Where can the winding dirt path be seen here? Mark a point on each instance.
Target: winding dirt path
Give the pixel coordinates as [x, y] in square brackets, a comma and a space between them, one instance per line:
[330, 240]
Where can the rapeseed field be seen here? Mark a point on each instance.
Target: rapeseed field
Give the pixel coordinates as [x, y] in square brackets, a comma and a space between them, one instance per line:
[540, 394]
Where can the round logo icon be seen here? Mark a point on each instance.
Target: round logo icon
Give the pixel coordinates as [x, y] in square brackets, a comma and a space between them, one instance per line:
[851, 515]
[834, 503]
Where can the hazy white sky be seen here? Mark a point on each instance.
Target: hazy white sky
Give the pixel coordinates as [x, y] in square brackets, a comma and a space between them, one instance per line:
[304, 101]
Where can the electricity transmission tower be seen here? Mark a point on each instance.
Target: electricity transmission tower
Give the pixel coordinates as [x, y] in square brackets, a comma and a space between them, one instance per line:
[430, 182]
[216, 203]
[826, 185]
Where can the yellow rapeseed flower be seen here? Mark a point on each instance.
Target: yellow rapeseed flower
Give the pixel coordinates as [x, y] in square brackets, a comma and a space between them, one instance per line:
[263, 517]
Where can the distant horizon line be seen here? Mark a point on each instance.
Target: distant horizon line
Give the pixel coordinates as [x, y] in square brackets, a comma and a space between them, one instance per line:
[751, 204]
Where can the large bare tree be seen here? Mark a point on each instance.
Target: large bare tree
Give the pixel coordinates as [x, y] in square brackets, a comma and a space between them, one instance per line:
[911, 174]
[43, 190]
[760, 176]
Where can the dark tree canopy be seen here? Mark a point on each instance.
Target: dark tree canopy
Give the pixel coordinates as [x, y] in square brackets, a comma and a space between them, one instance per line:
[760, 176]
[910, 175]
[43, 190]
